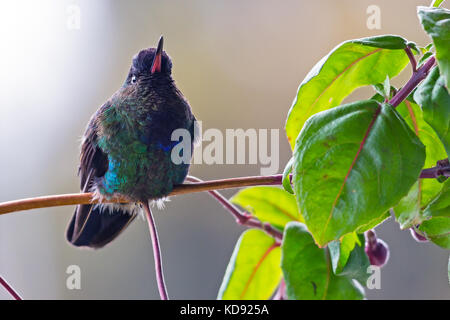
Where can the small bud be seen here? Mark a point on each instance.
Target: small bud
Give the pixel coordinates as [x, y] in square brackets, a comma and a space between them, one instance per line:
[376, 249]
[417, 236]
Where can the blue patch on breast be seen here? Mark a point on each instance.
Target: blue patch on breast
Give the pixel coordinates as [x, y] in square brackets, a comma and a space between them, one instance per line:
[167, 147]
[112, 181]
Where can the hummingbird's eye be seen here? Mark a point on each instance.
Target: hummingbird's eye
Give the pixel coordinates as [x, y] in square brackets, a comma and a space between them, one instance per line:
[133, 79]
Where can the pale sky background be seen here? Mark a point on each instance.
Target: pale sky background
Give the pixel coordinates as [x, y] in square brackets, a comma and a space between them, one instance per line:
[52, 79]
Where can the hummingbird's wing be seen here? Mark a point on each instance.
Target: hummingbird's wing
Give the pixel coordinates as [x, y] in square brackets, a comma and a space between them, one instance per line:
[91, 226]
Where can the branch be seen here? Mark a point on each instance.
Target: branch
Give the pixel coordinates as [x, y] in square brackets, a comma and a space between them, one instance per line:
[87, 198]
[230, 183]
[10, 289]
[442, 168]
[416, 78]
[242, 218]
[413, 61]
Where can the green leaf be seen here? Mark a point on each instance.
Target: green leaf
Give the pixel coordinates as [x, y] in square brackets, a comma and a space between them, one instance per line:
[385, 42]
[348, 257]
[408, 211]
[437, 229]
[340, 251]
[350, 65]
[436, 22]
[352, 164]
[373, 223]
[436, 3]
[269, 204]
[424, 58]
[440, 205]
[413, 46]
[254, 269]
[379, 89]
[433, 97]
[286, 179]
[380, 95]
[308, 271]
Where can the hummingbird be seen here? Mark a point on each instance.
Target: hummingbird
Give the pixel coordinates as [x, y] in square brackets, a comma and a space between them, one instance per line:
[126, 149]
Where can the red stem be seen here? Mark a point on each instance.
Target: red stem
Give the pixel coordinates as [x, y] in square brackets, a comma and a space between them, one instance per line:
[442, 168]
[410, 55]
[156, 252]
[281, 292]
[416, 78]
[87, 198]
[242, 218]
[10, 289]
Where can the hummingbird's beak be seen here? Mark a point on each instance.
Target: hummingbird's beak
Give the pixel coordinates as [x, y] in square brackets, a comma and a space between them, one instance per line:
[156, 65]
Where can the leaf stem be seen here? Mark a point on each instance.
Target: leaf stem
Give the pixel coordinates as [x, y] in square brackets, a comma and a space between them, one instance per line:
[10, 289]
[156, 252]
[242, 218]
[412, 59]
[416, 78]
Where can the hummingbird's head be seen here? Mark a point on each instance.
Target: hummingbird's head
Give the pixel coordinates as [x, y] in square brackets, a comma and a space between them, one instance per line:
[150, 63]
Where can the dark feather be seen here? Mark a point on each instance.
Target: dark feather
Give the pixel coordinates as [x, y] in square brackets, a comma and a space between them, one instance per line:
[92, 228]
[93, 162]
[89, 226]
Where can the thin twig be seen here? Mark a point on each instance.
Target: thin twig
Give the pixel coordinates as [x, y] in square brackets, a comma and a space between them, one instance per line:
[156, 252]
[243, 218]
[412, 59]
[10, 289]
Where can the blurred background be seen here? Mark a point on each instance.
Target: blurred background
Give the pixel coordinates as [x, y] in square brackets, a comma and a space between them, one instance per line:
[238, 62]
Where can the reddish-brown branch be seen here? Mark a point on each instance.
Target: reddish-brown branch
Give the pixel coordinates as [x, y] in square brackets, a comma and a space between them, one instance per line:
[10, 289]
[416, 78]
[442, 168]
[242, 218]
[412, 59]
[86, 198]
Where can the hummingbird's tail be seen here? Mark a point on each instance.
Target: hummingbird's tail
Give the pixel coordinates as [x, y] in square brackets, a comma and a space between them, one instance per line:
[95, 226]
